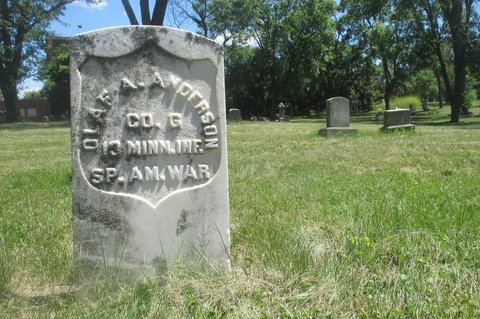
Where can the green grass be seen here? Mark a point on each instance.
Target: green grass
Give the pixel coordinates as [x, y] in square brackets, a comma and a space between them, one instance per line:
[368, 226]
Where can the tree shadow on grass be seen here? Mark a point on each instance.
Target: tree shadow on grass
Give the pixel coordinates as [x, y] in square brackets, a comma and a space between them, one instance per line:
[471, 125]
[30, 301]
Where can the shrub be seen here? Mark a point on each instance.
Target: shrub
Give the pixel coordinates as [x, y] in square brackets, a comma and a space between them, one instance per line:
[470, 97]
[406, 102]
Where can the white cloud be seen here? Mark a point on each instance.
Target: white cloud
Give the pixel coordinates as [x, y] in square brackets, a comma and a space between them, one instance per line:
[98, 4]
[29, 85]
[251, 42]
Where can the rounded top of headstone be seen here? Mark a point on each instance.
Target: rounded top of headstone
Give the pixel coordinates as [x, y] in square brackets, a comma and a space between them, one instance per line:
[338, 98]
[122, 40]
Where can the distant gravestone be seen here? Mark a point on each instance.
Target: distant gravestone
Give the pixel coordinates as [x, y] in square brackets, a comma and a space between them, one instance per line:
[281, 111]
[338, 117]
[397, 119]
[234, 115]
[149, 151]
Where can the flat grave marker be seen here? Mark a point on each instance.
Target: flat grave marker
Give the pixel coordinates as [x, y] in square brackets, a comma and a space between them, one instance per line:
[397, 119]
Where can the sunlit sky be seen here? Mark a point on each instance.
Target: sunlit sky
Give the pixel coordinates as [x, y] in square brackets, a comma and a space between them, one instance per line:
[80, 17]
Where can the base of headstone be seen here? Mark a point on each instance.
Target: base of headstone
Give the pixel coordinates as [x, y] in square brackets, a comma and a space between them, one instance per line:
[404, 127]
[335, 131]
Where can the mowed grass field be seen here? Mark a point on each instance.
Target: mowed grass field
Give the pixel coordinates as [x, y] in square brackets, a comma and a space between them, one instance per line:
[373, 225]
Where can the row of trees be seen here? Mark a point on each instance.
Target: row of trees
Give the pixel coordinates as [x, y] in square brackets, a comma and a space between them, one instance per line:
[304, 51]
[299, 52]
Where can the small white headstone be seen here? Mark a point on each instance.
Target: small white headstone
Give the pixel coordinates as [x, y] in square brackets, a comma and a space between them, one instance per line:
[149, 151]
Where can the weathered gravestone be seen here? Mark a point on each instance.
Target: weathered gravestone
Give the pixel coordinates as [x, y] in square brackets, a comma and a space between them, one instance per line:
[397, 119]
[338, 117]
[234, 115]
[281, 117]
[149, 151]
[281, 111]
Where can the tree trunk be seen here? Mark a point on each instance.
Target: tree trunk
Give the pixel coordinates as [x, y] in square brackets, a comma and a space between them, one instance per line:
[440, 88]
[458, 101]
[159, 12]
[457, 28]
[129, 11]
[145, 12]
[388, 90]
[444, 72]
[436, 45]
[10, 98]
[386, 98]
[273, 89]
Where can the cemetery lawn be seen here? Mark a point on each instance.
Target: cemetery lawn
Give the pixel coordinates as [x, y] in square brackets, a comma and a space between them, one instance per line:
[372, 225]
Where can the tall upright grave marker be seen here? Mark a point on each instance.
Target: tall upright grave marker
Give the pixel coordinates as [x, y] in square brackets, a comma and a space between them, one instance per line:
[338, 117]
[149, 151]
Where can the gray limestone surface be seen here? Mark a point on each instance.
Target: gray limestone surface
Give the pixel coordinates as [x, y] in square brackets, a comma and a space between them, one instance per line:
[397, 118]
[234, 115]
[338, 112]
[338, 117]
[149, 151]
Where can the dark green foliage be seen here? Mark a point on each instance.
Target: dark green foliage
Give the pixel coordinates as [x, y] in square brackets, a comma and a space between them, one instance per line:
[32, 95]
[56, 76]
[23, 30]
[243, 81]
[304, 52]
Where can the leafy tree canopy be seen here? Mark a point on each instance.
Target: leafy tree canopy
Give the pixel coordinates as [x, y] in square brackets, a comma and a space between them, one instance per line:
[56, 76]
[23, 30]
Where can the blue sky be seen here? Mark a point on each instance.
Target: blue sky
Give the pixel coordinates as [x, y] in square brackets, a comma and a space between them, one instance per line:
[80, 17]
